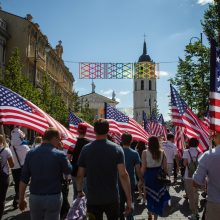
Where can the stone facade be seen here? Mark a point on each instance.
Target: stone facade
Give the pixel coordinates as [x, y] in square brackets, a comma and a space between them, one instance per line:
[145, 92]
[37, 55]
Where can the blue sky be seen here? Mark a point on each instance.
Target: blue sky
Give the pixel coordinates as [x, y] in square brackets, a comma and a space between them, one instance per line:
[112, 31]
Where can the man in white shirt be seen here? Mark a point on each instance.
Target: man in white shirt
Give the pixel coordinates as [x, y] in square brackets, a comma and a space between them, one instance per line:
[190, 157]
[17, 136]
[19, 153]
[209, 165]
[171, 153]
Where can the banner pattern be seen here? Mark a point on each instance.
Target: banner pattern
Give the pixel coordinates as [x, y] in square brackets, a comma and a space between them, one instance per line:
[117, 70]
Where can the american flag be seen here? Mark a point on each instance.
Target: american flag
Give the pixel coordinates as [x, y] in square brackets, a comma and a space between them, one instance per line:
[74, 121]
[206, 119]
[146, 123]
[214, 104]
[16, 110]
[120, 123]
[183, 116]
[163, 127]
[179, 139]
[155, 126]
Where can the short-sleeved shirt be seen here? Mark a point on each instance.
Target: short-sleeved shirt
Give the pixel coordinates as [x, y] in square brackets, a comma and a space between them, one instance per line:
[5, 155]
[17, 136]
[209, 164]
[151, 163]
[100, 159]
[21, 151]
[194, 154]
[170, 151]
[45, 167]
[81, 142]
[132, 159]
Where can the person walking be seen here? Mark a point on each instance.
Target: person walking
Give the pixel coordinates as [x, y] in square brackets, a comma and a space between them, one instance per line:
[19, 153]
[6, 161]
[17, 136]
[190, 157]
[153, 161]
[132, 162]
[102, 161]
[170, 151]
[73, 155]
[45, 167]
[208, 172]
[37, 142]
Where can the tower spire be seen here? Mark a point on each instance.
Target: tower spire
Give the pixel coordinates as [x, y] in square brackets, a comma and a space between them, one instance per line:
[145, 46]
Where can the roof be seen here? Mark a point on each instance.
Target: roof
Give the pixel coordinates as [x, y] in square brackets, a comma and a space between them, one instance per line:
[101, 96]
[144, 57]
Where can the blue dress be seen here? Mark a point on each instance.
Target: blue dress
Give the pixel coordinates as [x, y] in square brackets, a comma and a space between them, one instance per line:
[157, 194]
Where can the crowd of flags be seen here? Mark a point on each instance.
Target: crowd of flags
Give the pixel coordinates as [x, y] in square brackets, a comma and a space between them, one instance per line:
[16, 110]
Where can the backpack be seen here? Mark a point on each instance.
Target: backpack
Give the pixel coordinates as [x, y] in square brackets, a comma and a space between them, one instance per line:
[1, 162]
[192, 165]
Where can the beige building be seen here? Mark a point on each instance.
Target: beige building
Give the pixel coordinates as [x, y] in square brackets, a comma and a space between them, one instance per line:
[36, 54]
[145, 92]
[96, 102]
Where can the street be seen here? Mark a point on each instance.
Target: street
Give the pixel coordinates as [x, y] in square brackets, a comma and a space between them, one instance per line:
[179, 209]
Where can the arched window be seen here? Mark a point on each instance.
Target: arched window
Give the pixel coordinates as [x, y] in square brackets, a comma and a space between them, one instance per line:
[135, 86]
[150, 85]
[142, 84]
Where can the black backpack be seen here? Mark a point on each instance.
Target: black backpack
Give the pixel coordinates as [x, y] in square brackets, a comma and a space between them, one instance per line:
[1, 162]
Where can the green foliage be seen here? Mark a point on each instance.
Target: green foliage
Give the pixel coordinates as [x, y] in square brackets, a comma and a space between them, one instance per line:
[192, 78]
[14, 79]
[211, 21]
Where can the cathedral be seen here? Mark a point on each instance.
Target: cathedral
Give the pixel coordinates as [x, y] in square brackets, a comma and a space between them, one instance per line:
[145, 92]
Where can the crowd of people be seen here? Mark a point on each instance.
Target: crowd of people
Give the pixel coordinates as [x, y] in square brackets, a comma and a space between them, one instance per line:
[112, 177]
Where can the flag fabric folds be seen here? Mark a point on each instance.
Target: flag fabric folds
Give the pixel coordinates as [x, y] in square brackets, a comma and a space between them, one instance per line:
[214, 96]
[183, 116]
[146, 123]
[120, 123]
[179, 138]
[206, 119]
[163, 127]
[16, 110]
[74, 121]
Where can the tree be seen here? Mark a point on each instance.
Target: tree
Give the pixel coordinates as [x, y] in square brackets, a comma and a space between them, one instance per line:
[211, 21]
[192, 78]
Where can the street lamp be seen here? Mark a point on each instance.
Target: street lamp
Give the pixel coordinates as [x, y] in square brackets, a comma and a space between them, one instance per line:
[190, 42]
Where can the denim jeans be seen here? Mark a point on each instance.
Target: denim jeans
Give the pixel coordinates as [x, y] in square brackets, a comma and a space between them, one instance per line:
[45, 207]
[95, 212]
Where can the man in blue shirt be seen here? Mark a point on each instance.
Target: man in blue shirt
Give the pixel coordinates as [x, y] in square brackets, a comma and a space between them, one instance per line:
[45, 166]
[132, 162]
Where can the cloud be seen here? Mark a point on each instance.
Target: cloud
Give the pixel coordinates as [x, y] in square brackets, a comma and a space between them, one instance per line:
[182, 34]
[204, 2]
[163, 73]
[117, 99]
[124, 92]
[107, 92]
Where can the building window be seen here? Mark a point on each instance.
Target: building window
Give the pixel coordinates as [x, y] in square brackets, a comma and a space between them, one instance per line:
[149, 102]
[135, 86]
[142, 84]
[150, 85]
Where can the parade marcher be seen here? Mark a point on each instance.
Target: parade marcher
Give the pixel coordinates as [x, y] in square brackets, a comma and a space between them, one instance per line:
[6, 160]
[73, 155]
[103, 161]
[170, 151]
[19, 153]
[141, 146]
[190, 157]
[17, 136]
[132, 162]
[153, 161]
[37, 142]
[208, 166]
[45, 167]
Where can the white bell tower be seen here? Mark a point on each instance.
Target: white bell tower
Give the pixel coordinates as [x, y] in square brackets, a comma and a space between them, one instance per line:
[145, 92]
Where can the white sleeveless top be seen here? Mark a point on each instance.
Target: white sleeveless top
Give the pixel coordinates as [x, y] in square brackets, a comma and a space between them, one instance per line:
[151, 162]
